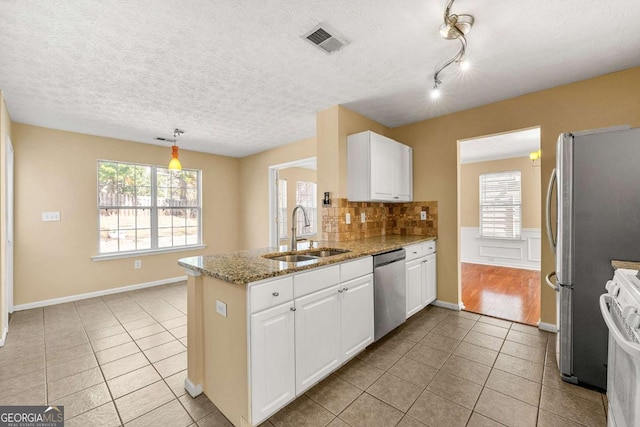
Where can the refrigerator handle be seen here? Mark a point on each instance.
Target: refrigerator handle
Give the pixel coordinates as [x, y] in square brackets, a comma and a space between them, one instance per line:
[548, 277]
[552, 240]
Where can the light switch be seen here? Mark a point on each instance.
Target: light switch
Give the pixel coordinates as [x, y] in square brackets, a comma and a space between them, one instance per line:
[423, 215]
[221, 308]
[347, 218]
[363, 217]
[51, 216]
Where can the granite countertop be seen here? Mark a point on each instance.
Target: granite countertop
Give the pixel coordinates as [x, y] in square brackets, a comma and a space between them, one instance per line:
[629, 265]
[243, 267]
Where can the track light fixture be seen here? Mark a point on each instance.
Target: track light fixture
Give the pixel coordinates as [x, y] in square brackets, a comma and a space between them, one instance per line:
[455, 27]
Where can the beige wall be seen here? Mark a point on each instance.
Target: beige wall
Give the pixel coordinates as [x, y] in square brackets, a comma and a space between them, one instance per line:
[254, 189]
[57, 171]
[5, 130]
[604, 101]
[292, 175]
[333, 126]
[470, 189]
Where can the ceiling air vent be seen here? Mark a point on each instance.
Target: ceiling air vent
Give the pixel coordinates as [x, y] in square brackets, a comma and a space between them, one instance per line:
[325, 38]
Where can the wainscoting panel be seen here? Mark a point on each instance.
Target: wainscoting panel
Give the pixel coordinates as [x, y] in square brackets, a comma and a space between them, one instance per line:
[524, 253]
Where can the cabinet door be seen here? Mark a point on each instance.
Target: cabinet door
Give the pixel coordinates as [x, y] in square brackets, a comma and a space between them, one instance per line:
[415, 277]
[383, 169]
[317, 336]
[357, 315]
[404, 173]
[429, 289]
[272, 360]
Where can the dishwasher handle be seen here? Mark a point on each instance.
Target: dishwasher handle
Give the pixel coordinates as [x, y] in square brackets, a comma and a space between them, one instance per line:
[389, 257]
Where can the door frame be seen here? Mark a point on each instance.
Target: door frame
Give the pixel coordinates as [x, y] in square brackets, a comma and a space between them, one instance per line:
[9, 234]
[274, 241]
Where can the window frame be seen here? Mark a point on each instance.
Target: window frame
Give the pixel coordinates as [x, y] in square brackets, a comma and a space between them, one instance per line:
[517, 229]
[154, 212]
[313, 216]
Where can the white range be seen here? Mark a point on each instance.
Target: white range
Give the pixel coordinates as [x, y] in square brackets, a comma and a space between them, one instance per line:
[620, 308]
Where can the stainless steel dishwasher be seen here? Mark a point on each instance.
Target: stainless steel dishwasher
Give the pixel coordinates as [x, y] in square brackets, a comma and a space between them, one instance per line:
[389, 290]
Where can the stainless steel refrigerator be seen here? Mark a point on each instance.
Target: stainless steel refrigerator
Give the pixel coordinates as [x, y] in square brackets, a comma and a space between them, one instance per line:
[598, 220]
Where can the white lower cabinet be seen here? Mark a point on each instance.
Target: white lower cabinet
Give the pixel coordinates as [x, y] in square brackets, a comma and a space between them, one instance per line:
[297, 343]
[356, 315]
[421, 276]
[317, 338]
[415, 285]
[429, 291]
[272, 360]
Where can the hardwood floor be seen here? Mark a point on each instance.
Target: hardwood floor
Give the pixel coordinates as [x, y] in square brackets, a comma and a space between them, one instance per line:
[507, 293]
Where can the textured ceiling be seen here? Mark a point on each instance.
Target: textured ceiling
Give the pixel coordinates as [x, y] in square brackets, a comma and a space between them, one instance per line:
[503, 146]
[237, 76]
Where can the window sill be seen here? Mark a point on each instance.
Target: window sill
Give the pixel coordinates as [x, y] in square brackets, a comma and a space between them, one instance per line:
[120, 255]
[508, 239]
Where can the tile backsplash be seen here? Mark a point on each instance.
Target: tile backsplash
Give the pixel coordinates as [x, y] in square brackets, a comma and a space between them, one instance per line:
[381, 219]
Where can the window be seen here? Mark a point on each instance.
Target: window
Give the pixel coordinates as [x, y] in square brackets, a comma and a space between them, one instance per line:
[144, 207]
[306, 196]
[282, 208]
[500, 205]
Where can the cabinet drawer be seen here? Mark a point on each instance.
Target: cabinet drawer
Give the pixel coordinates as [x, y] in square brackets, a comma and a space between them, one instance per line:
[429, 247]
[353, 269]
[414, 251]
[270, 294]
[315, 280]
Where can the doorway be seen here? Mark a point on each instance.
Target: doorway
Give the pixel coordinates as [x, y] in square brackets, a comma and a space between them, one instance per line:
[291, 184]
[499, 203]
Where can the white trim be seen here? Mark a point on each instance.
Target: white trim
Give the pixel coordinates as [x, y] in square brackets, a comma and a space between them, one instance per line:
[448, 305]
[523, 253]
[119, 255]
[193, 389]
[110, 291]
[3, 339]
[549, 327]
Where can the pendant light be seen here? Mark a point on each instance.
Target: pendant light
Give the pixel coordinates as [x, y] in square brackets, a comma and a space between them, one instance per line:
[174, 164]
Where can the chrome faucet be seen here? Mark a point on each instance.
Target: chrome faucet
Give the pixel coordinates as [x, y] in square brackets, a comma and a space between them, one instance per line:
[293, 244]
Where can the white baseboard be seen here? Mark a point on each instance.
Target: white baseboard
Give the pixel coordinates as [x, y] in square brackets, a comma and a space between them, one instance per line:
[3, 338]
[193, 389]
[449, 305]
[549, 327]
[88, 295]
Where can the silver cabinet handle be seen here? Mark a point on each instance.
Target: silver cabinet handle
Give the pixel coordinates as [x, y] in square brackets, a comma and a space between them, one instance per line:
[414, 252]
[345, 289]
[340, 291]
[293, 309]
[275, 294]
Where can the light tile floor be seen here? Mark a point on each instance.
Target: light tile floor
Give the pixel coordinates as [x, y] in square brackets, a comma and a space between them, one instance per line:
[121, 360]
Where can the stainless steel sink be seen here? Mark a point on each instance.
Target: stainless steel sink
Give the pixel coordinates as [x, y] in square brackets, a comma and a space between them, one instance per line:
[327, 252]
[290, 258]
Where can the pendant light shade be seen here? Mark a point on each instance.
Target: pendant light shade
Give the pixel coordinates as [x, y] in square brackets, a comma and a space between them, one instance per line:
[174, 164]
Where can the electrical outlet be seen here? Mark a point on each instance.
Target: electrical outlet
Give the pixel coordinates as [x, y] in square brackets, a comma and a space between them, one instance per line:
[347, 218]
[423, 215]
[363, 217]
[137, 264]
[221, 308]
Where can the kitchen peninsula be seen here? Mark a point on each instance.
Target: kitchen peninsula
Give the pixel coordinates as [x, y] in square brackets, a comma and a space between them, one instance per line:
[246, 353]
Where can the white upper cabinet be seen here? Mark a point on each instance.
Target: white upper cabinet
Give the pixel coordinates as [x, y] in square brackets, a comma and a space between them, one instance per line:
[379, 169]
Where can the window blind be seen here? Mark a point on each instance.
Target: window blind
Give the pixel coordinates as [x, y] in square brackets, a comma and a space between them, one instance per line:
[500, 205]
